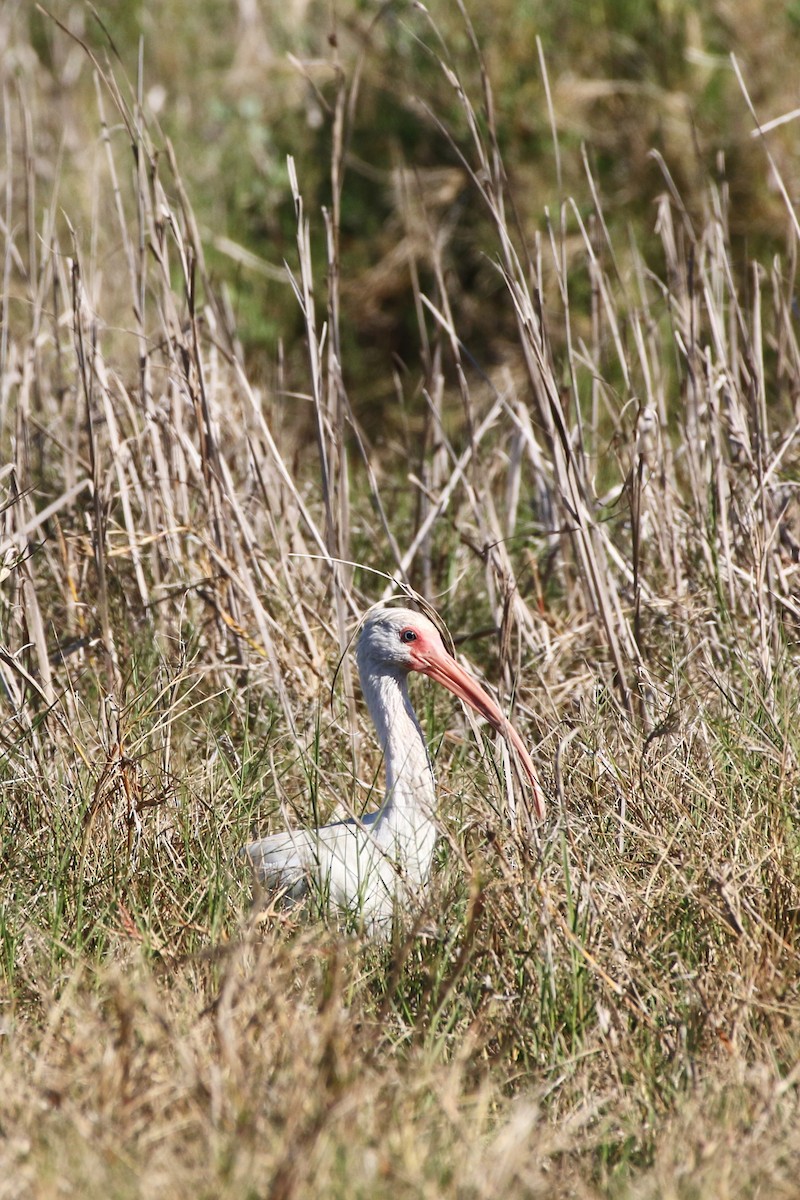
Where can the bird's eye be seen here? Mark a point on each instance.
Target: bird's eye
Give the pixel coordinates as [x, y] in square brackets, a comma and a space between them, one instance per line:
[408, 635]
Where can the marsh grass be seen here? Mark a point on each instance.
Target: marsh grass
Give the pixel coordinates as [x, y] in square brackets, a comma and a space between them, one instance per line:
[607, 517]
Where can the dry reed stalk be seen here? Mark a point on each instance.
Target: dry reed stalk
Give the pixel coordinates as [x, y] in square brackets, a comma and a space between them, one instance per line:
[571, 486]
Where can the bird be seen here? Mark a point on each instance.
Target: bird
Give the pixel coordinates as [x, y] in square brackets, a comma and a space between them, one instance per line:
[372, 868]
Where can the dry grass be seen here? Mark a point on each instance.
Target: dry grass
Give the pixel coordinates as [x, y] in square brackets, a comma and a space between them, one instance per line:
[609, 1008]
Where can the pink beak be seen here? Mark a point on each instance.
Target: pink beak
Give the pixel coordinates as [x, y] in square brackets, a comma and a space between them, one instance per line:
[435, 662]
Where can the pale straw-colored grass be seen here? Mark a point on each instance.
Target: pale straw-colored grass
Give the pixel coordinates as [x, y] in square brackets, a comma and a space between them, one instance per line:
[606, 1005]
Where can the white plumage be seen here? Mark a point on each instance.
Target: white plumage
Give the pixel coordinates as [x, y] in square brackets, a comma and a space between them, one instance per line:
[369, 868]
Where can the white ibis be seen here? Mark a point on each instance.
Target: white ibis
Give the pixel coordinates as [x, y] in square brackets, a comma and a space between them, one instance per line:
[370, 866]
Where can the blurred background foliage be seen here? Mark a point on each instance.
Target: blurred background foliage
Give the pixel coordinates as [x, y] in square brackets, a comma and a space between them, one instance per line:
[241, 85]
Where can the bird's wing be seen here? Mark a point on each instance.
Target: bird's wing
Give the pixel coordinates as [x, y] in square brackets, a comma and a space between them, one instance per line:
[281, 861]
[326, 858]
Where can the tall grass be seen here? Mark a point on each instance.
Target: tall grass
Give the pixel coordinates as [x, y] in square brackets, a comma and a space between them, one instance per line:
[605, 514]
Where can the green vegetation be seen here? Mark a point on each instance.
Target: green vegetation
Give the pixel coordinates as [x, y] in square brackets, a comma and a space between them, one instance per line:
[533, 353]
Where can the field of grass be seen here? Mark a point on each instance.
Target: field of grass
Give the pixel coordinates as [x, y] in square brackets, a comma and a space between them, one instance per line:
[304, 309]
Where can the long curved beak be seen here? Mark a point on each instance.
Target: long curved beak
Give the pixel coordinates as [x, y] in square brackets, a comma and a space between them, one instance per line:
[446, 671]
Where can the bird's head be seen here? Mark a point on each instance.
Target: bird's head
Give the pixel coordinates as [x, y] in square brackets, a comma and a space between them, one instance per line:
[394, 641]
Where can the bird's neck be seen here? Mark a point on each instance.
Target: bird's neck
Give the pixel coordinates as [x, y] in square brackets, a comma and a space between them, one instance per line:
[409, 774]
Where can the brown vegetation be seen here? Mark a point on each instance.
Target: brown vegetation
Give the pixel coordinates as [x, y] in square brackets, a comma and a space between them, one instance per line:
[604, 509]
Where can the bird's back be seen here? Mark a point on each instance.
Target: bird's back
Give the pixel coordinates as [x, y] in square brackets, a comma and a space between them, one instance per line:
[360, 867]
